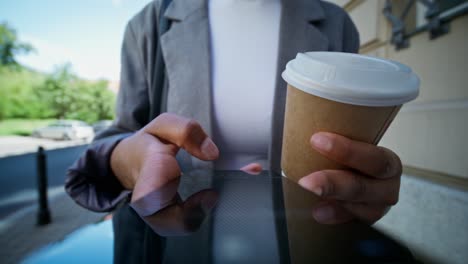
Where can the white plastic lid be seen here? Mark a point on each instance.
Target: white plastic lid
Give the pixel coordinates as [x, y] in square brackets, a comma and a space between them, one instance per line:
[352, 78]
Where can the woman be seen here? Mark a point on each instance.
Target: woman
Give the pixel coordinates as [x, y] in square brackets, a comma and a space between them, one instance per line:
[223, 63]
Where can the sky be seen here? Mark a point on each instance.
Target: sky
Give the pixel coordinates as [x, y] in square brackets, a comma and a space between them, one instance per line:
[86, 33]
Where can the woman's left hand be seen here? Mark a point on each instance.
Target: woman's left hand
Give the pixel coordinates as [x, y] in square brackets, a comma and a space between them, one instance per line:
[366, 191]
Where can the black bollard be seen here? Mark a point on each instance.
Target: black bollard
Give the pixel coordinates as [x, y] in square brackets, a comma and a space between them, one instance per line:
[43, 214]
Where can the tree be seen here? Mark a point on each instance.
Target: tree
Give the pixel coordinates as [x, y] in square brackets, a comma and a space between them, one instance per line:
[69, 97]
[58, 91]
[10, 46]
[18, 98]
[104, 100]
[92, 101]
[25, 93]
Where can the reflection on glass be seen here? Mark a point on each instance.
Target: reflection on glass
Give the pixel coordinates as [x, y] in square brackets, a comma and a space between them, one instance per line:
[167, 215]
[261, 218]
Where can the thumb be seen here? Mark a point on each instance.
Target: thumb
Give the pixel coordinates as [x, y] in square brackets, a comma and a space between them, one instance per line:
[185, 133]
[159, 175]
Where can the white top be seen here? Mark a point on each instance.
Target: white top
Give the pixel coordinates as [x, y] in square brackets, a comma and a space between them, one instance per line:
[244, 41]
[352, 78]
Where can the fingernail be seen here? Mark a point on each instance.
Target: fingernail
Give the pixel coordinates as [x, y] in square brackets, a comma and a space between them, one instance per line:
[316, 190]
[324, 214]
[322, 142]
[209, 148]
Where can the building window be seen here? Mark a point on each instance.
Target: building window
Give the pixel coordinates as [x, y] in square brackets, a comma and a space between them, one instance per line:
[411, 17]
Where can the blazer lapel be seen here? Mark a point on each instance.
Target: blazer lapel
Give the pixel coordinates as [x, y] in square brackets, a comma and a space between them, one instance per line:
[187, 54]
[186, 51]
[298, 33]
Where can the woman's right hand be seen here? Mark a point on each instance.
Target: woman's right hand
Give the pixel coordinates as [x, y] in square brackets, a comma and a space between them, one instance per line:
[146, 160]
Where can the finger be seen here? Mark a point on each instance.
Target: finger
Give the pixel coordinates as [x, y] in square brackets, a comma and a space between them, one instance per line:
[197, 207]
[352, 186]
[147, 202]
[365, 212]
[252, 168]
[369, 159]
[205, 199]
[185, 133]
[155, 174]
[168, 222]
[331, 213]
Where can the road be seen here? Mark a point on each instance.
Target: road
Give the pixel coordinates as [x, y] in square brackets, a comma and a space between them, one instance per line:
[16, 145]
[18, 177]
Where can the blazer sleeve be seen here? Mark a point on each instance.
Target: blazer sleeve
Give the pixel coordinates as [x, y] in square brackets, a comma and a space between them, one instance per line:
[90, 180]
[351, 41]
[339, 28]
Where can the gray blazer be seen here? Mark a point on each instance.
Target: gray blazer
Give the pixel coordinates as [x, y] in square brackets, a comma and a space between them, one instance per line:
[306, 25]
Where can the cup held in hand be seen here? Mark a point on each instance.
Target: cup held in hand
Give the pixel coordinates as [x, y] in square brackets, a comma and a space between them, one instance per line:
[352, 95]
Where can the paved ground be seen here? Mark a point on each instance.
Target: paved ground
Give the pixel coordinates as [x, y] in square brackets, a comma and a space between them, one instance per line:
[18, 176]
[15, 145]
[21, 236]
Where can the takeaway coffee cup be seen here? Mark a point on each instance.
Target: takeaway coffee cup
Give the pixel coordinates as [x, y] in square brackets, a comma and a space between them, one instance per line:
[352, 95]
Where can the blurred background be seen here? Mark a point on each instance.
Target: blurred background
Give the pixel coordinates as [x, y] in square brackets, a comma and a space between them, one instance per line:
[59, 75]
[429, 134]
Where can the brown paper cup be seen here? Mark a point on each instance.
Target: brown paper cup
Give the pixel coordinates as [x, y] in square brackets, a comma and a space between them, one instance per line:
[352, 95]
[307, 114]
[312, 242]
[348, 94]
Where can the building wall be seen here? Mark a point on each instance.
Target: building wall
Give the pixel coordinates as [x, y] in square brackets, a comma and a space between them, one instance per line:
[429, 134]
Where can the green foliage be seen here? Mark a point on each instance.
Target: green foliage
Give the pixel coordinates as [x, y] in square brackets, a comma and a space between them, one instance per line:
[58, 91]
[92, 101]
[17, 93]
[61, 95]
[71, 98]
[27, 94]
[10, 46]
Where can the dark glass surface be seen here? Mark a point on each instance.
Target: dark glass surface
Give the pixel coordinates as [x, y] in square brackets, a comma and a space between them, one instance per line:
[224, 217]
[234, 217]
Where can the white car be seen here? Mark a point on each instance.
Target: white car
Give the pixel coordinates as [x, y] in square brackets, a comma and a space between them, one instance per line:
[101, 125]
[66, 130]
